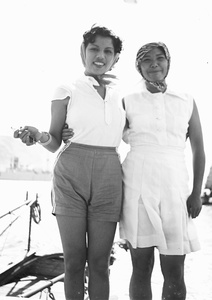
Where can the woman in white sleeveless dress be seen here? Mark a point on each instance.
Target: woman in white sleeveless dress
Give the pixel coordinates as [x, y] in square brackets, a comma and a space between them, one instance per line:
[158, 206]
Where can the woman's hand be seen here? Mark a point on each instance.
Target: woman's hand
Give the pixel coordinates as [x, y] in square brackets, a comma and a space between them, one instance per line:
[67, 134]
[29, 135]
[194, 205]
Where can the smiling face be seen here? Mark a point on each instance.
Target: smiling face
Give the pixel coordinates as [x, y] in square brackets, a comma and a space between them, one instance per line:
[99, 56]
[154, 65]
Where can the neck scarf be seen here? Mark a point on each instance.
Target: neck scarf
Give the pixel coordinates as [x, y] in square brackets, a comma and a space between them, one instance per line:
[103, 79]
[159, 85]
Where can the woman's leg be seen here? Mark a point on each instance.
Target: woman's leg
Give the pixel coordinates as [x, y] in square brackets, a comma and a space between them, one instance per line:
[172, 267]
[140, 283]
[100, 241]
[73, 236]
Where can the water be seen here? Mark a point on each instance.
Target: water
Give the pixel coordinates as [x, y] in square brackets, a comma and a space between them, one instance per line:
[45, 239]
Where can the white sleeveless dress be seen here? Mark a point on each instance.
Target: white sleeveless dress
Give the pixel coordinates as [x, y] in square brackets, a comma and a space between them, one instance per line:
[155, 178]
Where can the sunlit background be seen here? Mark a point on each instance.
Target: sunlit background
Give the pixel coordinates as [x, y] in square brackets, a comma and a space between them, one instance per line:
[40, 42]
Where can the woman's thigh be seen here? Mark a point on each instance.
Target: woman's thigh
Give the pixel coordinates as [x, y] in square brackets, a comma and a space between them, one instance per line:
[73, 236]
[100, 240]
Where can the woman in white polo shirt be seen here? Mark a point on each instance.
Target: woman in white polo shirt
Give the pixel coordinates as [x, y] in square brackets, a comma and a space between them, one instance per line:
[87, 177]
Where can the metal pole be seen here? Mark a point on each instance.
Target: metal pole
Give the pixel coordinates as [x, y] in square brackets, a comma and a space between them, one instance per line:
[45, 285]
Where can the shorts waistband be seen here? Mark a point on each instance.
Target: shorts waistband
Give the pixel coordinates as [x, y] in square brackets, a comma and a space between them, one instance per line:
[92, 147]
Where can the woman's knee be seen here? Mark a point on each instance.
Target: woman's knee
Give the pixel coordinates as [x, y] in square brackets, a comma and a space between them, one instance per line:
[99, 265]
[142, 261]
[103, 262]
[74, 264]
[172, 267]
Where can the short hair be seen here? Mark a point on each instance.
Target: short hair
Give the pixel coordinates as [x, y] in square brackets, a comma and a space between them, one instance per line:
[90, 36]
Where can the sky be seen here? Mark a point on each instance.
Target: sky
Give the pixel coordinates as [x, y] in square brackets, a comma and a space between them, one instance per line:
[40, 41]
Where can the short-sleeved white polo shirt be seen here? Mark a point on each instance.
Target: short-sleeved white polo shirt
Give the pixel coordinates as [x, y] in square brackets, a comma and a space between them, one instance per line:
[95, 121]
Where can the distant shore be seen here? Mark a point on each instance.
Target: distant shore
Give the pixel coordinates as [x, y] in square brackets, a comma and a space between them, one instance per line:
[25, 175]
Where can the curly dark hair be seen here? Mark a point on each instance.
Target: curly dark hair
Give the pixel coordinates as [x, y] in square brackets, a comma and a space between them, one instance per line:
[90, 36]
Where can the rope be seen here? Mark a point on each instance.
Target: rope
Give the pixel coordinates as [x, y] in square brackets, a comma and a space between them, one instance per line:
[50, 294]
[11, 223]
[36, 212]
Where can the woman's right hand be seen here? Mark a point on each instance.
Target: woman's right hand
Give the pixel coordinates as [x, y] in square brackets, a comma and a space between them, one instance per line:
[67, 134]
[29, 135]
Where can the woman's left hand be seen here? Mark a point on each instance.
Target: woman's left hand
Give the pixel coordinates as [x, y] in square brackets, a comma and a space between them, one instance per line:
[194, 205]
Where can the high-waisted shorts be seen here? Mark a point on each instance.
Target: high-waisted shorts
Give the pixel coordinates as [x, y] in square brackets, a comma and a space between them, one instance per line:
[87, 183]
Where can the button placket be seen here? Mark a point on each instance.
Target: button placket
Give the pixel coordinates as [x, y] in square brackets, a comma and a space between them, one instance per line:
[107, 110]
[159, 113]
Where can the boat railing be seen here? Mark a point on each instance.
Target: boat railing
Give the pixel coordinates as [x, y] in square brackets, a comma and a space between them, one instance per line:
[27, 202]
